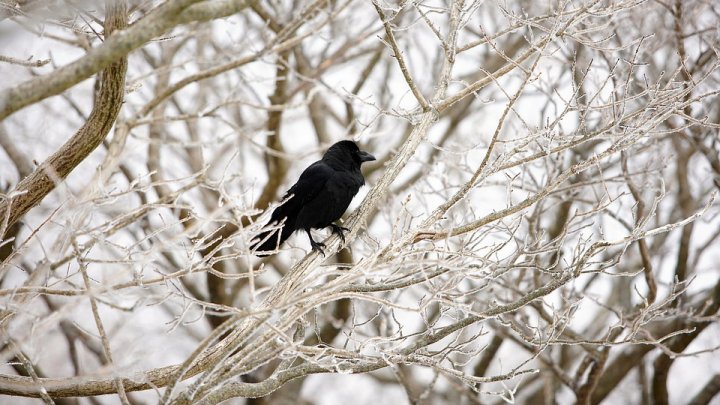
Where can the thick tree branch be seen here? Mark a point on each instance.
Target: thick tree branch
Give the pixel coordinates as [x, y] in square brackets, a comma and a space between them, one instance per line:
[111, 89]
[159, 21]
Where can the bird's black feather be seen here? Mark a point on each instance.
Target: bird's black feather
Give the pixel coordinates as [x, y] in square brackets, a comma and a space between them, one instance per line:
[318, 199]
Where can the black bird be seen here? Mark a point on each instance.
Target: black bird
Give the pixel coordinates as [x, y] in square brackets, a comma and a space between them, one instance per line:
[318, 199]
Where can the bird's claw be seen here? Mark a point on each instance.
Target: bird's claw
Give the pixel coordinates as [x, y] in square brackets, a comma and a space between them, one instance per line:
[338, 230]
[318, 246]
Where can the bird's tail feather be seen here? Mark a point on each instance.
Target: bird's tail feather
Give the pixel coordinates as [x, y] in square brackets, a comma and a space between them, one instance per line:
[270, 240]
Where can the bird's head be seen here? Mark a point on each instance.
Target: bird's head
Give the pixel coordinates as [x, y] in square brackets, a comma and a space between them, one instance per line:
[347, 152]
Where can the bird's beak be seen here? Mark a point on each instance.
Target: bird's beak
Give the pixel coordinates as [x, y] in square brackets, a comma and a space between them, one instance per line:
[365, 157]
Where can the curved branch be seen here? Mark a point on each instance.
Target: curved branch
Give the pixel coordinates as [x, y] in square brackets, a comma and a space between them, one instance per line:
[159, 21]
[111, 87]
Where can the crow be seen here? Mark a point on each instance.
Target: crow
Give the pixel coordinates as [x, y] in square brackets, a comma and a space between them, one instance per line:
[318, 199]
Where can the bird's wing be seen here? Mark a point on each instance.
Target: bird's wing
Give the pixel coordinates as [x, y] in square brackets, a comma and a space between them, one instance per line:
[308, 187]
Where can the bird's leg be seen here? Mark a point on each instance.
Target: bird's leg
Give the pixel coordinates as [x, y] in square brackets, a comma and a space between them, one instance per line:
[315, 245]
[338, 230]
